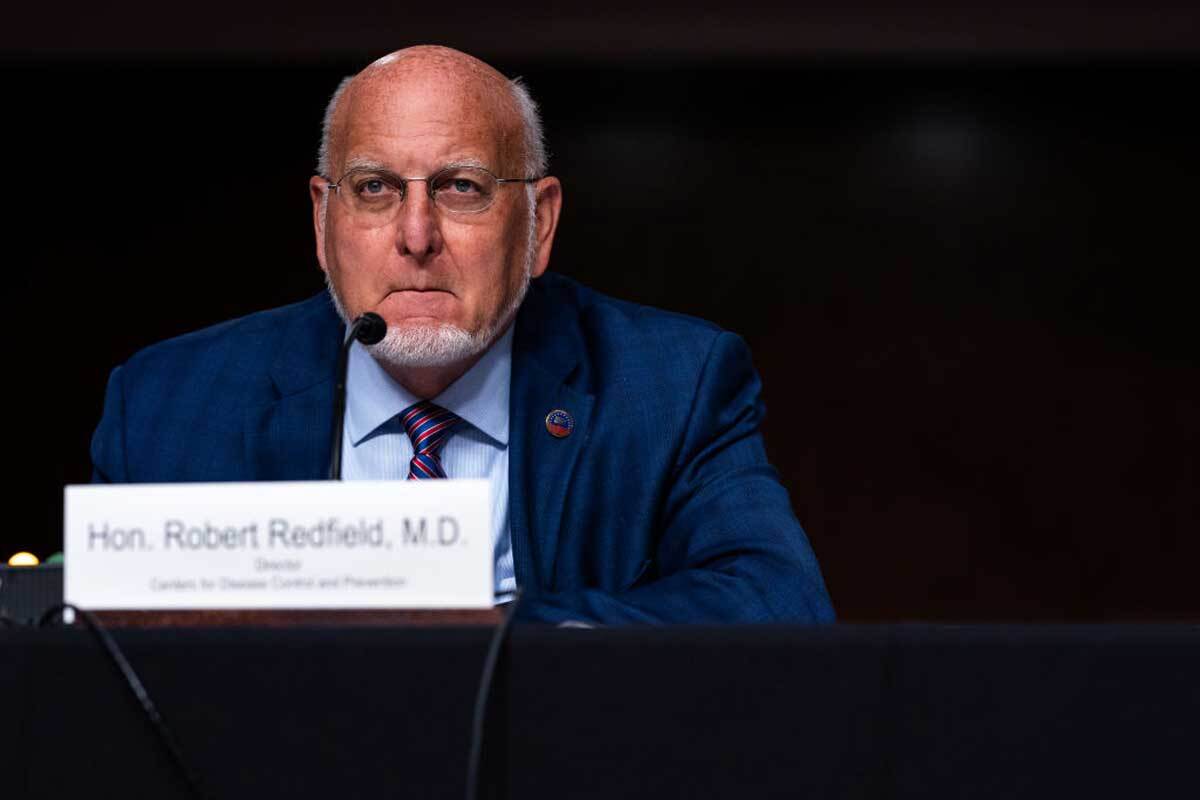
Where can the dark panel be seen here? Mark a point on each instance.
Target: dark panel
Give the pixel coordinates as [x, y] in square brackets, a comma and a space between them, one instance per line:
[618, 29]
[831, 712]
[255, 713]
[845, 712]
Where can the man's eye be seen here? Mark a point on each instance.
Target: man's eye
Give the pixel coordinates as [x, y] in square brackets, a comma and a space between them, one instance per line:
[461, 183]
[373, 186]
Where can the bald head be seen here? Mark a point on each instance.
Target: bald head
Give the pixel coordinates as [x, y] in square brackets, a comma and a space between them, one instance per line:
[444, 76]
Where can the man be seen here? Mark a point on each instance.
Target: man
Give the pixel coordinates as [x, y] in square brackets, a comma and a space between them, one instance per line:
[629, 478]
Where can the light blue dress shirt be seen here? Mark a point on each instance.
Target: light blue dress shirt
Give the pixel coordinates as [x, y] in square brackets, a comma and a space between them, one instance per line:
[375, 446]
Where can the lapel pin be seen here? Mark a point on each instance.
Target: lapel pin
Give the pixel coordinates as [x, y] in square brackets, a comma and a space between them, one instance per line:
[559, 423]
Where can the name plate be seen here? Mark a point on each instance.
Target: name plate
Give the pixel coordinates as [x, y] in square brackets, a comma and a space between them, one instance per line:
[286, 545]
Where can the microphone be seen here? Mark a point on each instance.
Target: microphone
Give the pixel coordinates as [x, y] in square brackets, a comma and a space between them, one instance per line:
[368, 329]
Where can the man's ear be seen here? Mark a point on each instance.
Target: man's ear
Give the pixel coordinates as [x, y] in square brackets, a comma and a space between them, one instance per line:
[318, 190]
[548, 194]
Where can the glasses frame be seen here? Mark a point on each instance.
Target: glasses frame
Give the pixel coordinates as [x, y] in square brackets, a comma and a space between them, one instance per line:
[336, 186]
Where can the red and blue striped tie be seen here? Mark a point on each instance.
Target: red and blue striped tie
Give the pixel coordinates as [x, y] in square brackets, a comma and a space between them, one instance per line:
[428, 427]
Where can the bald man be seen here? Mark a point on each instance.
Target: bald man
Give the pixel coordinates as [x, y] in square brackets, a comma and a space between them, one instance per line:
[629, 480]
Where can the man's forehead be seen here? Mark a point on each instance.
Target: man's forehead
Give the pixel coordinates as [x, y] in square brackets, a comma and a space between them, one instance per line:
[423, 100]
[413, 141]
[467, 110]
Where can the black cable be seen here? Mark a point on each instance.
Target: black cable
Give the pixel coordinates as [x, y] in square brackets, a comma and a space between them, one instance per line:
[475, 757]
[139, 691]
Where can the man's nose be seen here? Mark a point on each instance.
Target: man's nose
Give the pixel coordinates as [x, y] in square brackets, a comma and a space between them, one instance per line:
[418, 232]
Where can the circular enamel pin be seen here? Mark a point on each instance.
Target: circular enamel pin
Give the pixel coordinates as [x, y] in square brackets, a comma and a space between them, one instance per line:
[559, 423]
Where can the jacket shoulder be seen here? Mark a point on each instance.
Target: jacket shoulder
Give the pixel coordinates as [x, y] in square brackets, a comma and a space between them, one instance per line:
[205, 379]
[177, 410]
[256, 338]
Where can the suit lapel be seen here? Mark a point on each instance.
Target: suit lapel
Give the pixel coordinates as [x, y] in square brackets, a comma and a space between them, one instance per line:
[288, 439]
[545, 377]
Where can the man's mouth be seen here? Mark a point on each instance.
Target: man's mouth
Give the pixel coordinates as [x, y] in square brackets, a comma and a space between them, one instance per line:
[422, 289]
[423, 302]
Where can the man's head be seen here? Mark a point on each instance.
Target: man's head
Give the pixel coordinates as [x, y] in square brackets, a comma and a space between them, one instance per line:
[448, 281]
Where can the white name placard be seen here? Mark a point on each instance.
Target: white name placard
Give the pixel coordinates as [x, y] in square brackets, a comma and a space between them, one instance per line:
[314, 544]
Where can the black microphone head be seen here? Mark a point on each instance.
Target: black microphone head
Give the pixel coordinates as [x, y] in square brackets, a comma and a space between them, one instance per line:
[371, 328]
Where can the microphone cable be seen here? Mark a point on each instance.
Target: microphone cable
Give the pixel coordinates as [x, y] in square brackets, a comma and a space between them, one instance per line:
[479, 717]
[139, 691]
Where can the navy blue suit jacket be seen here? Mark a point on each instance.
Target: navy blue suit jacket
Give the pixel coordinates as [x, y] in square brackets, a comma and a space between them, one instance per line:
[659, 507]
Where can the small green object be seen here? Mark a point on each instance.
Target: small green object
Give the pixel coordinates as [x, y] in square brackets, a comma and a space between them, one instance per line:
[57, 558]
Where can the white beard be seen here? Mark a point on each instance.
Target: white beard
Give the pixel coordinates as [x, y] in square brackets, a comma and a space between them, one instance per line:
[439, 345]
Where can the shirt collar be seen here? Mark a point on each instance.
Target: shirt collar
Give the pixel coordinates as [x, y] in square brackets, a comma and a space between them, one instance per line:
[479, 396]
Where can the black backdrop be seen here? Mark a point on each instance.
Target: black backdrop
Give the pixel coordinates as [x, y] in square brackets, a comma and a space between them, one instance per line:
[968, 283]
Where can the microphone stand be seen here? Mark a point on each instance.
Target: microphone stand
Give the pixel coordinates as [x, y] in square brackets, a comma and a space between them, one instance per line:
[368, 329]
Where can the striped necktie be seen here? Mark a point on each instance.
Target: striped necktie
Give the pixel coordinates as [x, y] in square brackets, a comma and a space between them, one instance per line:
[428, 427]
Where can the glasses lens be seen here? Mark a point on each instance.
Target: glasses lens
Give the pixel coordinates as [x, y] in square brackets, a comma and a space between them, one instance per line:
[463, 189]
[372, 196]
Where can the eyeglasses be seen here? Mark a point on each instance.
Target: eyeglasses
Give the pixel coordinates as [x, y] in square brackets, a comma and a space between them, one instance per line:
[374, 196]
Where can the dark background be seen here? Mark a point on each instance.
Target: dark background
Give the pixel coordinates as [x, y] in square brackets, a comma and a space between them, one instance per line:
[961, 242]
